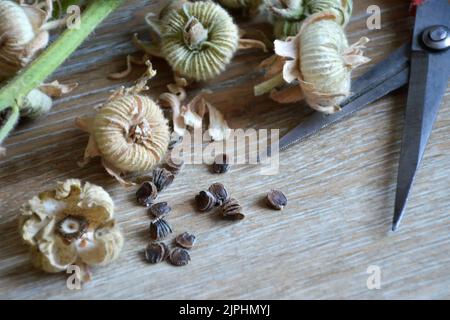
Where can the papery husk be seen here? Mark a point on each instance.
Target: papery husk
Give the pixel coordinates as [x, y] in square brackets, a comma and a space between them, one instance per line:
[52, 252]
[320, 60]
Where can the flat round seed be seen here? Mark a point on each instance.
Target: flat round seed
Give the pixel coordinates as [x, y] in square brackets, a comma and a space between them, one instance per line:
[179, 257]
[146, 193]
[156, 252]
[159, 209]
[221, 163]
[205, 201]
[185, 240]
[219, 192]
[159, 229]
[276, 199]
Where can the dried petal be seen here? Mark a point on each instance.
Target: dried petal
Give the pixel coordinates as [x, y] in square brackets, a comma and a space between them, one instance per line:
[146, 193]
[185, 240]
[162, 178]
[221, 163]
[276, 199]
[159, 229]
[219, 192]
[156, 252]
[205, 201]
[179, 257]
[231, 209]
[160, 209]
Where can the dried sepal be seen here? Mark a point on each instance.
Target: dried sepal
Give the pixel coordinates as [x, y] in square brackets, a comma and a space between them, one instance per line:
[71, 224]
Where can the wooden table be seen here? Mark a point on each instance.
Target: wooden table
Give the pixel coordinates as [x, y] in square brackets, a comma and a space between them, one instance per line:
[340, 185]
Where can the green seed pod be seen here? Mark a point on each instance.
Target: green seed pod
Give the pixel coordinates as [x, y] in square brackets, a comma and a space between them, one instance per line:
[199, 40]
[288, 15]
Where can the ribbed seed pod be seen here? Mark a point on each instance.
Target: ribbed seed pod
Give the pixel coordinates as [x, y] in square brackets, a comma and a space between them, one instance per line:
[20, 36]
[199, 40]
[131, 133]
[322, 61]
[288, 15]
[238, 4]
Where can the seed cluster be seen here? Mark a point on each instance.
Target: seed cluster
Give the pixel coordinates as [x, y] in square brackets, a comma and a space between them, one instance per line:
[218, 196]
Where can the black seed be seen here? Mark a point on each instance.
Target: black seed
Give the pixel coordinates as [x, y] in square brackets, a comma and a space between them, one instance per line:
[179, 257]
[146, 193]
[276, 199]
[219, 192]
[205, 201]
[174, 164]
[156, 252]
[221, 163]
[162, 178]
[231, 209]
[159, 229]
[159, 209]
[185, 240]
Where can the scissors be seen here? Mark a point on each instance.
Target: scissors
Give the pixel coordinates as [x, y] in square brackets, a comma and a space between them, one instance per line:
[425, 65]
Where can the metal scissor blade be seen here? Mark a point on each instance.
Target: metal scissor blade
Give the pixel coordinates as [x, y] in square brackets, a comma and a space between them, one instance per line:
[382, 79]
[430, 71]
[428, 83]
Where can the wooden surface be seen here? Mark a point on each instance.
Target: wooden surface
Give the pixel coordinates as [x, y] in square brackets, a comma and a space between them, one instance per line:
[340, 185]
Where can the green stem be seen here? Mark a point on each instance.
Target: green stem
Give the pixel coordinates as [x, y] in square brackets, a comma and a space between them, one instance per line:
[268, 85]
[31, 77]
[10, 123]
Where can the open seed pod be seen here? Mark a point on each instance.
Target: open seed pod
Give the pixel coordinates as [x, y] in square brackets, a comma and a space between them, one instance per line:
[129, 132]
[71, 224]
[288, 15]
[318, 62]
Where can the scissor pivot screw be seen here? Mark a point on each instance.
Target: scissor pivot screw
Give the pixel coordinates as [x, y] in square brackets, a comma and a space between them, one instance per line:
[436, 37]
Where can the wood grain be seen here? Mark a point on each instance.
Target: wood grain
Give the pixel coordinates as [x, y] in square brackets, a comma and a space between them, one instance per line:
[340, 185]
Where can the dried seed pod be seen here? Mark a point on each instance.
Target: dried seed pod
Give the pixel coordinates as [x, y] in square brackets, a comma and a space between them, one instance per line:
[185, 240]
[205, 201]
[159, 229]
[232, 209]
[276, 199]
[23, 33]
[146, 193]
[318, 62]
[129, 132]
[219, 192]
[199, 39]
[162, 178]
[174, 164]
[160, 209]
[221, 163]
[179, 257]
[288, 16]
[72, 227]
[72, 223]
[156, 252]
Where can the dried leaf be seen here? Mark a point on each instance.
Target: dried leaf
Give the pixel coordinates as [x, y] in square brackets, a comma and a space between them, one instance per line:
[56, 89]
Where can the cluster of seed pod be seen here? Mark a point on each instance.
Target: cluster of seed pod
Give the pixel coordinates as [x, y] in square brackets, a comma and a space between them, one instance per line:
[217, 196]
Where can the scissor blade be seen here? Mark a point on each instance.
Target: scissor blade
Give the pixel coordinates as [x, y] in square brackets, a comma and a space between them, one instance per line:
[386, 76]
[427, 85]
[319, 121]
